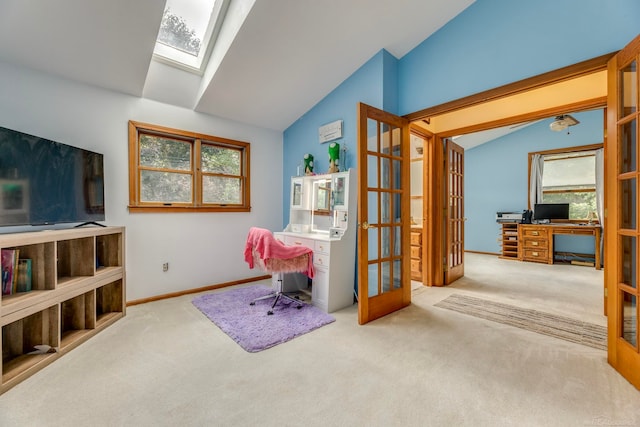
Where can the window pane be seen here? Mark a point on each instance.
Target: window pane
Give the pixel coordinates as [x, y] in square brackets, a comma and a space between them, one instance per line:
[629, 318]
[184, 24]
[165, 153]
[165, 187]
[572, 172]
[580, 202]
[221, 160]
[221, 190]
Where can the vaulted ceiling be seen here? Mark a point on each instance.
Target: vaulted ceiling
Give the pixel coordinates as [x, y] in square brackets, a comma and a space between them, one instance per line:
[277, 58]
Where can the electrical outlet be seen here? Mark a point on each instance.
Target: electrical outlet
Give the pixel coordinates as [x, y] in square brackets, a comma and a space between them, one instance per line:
[165, 267]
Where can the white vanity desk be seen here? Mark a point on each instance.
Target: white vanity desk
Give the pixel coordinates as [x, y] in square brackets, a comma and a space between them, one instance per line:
[323, 219]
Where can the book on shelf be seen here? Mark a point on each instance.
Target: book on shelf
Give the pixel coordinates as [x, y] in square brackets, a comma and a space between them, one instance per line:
[23, 283]
[8, 264]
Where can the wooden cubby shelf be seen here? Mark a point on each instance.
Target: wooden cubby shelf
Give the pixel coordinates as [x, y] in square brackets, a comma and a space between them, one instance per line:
[78, 289]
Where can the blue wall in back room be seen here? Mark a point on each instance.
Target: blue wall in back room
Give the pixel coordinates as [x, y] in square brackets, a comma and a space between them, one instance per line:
[496, 179]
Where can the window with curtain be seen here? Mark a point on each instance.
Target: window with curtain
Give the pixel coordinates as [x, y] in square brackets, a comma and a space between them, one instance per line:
[570, 177]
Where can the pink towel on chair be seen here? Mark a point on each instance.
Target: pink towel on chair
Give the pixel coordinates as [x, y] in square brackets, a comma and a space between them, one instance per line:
[269, 248]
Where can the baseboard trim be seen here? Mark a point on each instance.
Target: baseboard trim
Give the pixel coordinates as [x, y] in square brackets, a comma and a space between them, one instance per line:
[196, 290]
[482, 253]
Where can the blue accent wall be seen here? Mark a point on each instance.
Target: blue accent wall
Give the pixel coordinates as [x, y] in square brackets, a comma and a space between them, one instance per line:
[496, 179]
[496, 42]
[371, 84]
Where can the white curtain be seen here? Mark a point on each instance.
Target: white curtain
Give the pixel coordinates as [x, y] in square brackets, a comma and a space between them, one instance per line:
[600, 195]
[535, 181]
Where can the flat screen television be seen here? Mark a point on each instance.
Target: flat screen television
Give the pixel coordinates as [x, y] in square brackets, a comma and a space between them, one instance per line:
[43, 182]
[549, 211]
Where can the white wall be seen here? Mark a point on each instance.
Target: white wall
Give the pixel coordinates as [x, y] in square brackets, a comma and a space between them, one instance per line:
[201, 248]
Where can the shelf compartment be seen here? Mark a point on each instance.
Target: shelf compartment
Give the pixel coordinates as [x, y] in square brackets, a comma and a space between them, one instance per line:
[108, 250]
[76, 257]
[20, 338]
[77, 319]
[109, 302]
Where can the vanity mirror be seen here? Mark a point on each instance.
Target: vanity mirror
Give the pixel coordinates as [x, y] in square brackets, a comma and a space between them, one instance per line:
[321, 205]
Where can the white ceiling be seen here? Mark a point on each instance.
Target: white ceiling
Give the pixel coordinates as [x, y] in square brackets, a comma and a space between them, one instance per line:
[285, 57]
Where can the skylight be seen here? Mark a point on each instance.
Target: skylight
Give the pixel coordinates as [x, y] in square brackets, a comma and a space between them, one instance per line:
[188, 32]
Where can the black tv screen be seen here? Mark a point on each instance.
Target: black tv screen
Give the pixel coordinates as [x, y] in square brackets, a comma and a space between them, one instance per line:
[542, 211]
[44, 182]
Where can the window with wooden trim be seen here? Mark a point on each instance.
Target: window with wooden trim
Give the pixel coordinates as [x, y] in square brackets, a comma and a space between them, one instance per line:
[569, 176]
[172, 170]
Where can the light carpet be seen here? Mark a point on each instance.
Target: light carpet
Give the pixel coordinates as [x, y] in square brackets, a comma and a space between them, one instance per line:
[561, 327]
[250, 325]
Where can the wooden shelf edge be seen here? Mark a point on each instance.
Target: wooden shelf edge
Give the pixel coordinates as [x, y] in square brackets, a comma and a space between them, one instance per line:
[21, 367]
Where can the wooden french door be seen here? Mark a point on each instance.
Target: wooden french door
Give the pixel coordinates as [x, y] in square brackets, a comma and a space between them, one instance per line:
[384, 269]
[454, 217]
[622, 239]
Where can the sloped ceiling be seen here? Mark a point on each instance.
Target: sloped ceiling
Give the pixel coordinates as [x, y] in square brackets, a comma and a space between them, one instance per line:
[285, 57]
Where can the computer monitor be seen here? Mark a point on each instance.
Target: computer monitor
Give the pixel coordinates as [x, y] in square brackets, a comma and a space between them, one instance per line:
[549, 211]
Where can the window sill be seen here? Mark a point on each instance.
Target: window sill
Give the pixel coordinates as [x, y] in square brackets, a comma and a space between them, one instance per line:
[187, 209]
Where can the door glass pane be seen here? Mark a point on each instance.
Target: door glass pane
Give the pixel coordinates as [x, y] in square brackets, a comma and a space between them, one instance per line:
[373, 280]
[385, 135]
[629, 265]
[397, 274]
[397, 175]
[373, 243]
[386, 276]
[628, 204]
[629, 319]
[372, 171]
[372, 135]
[385, 172]
[628, 147]
[397, 142]
[386, 241]
[397, 207]
[372, 205]
[397, 237]
[628, 90]
[385, 206]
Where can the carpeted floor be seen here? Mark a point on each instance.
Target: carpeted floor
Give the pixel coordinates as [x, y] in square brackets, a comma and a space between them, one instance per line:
[532, 320]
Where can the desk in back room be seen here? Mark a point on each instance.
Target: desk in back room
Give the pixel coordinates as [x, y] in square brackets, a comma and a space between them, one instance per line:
[535, 241]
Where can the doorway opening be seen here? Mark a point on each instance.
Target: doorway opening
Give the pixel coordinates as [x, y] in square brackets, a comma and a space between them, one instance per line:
[575, 89]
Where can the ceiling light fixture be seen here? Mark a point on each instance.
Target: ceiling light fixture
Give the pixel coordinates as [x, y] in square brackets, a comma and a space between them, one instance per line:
[562, 122]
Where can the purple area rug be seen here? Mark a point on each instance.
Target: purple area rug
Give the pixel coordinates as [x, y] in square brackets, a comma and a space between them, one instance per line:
[250, 325]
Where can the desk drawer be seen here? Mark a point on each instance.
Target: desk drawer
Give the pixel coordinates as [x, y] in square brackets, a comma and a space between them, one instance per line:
[416, 238]
[537, 255]
[415, 252]
[534, 232]
[321, 260]
[299, 241]
[321, 247]
[416, 265]
[535, 244]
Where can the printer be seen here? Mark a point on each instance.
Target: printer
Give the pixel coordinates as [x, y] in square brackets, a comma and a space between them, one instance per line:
[517, 217]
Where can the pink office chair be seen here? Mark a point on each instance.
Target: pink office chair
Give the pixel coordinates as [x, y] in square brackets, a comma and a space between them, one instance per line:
[273, 256]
